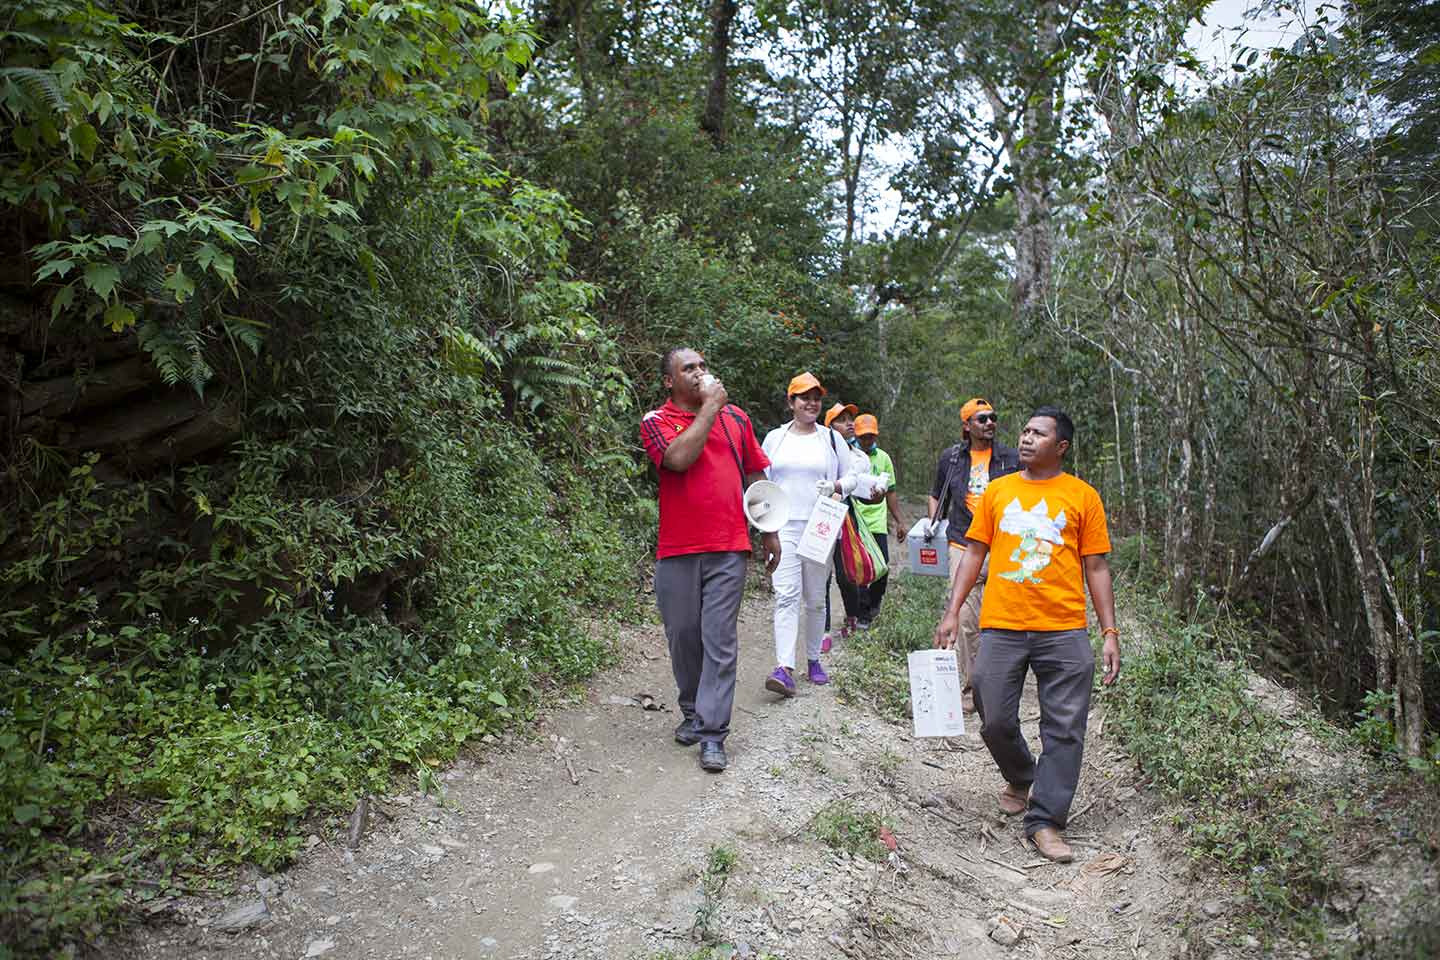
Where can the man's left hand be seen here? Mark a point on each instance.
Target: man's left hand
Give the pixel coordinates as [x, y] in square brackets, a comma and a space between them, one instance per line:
[771, 544]
[1110, 657]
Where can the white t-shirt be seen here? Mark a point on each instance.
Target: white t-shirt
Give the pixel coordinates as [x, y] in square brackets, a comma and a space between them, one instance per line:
[797, 464]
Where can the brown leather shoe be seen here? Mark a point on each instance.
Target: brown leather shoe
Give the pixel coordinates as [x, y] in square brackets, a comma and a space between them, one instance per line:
[1013, 800]
[1051, 845]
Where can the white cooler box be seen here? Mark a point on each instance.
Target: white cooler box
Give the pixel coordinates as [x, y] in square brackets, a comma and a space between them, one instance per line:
[929, 556]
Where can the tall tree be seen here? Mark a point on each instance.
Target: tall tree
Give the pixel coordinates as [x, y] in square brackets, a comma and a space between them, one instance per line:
[846, 58]
[712, 121]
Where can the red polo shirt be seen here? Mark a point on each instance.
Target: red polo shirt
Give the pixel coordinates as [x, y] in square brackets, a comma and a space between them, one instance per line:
[700, 509]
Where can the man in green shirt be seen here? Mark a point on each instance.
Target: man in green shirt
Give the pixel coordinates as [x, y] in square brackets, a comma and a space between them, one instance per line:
[876, 511]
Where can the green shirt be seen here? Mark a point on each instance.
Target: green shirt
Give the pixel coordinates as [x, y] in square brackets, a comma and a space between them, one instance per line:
[874, 515]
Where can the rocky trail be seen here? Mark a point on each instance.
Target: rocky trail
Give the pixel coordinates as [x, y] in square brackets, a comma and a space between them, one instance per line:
[587, 835]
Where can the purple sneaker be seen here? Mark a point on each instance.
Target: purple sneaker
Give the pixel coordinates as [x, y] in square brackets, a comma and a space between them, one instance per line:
[825, 644]
[780, 682]
[817, 673]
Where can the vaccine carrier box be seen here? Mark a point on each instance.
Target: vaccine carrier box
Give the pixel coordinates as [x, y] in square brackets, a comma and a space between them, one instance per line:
[929, 556]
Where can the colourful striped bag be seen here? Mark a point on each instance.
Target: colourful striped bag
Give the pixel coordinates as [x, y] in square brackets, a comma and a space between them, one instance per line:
[858, 552]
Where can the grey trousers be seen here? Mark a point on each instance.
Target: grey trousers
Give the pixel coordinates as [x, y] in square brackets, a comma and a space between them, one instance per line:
[699, 599]
[1064, 666]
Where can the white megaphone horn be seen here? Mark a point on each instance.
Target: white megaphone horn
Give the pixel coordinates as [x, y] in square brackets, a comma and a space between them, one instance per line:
[766, 506]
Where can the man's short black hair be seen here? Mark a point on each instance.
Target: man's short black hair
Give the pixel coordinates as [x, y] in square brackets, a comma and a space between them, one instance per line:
[667, 358]
[1064, 426]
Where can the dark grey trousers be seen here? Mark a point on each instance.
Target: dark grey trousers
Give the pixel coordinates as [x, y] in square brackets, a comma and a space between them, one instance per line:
[1064, 666]
[699, 599]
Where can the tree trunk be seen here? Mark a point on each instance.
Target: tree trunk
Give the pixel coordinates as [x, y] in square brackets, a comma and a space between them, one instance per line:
[1034, 177]
[1362, 557]
[1142, 515]
[712, 121]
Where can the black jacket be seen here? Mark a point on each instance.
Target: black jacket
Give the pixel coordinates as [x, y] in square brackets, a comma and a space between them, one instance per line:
[954, 469]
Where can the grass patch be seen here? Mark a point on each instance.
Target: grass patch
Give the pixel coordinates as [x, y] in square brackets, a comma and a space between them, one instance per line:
[871, 668]
[719, 865]
[844, 826]
[1183, 712]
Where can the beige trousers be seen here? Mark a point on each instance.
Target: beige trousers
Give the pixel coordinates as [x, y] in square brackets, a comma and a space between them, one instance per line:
[967, 643]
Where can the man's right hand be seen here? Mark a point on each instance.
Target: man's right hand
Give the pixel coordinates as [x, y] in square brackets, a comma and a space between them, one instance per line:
[713, 394]
[946, 631]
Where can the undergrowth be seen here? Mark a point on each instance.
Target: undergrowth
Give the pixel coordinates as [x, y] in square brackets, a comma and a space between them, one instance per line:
[719, 865]
[1185, 713]
[144, 757]
[872, 668]
[202, 669]
[854, 830]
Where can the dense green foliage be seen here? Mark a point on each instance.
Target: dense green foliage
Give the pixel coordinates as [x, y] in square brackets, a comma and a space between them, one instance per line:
[419, 489]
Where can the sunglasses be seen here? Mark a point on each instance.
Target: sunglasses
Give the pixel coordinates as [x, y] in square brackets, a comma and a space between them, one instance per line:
[984, 418]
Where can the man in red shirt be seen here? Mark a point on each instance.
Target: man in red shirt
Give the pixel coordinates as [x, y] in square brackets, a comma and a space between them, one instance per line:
[706, 454]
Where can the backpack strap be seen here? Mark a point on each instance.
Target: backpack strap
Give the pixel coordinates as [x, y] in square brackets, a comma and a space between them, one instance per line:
[734, 451]
[945, 496]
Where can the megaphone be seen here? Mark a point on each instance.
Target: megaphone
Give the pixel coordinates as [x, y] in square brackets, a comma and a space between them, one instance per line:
[766, 506]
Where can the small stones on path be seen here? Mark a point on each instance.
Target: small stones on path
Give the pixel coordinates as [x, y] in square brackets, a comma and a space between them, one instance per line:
[1005, 931]
[244, 917]
[318, 948]
[1213, 908]
[562, 902]
[541, 867]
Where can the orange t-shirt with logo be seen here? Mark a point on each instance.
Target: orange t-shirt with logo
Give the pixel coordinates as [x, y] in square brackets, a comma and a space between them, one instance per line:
[1038, 531]
[979, 477]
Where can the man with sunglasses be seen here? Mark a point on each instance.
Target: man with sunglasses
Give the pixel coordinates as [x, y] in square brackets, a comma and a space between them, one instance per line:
[961, 476]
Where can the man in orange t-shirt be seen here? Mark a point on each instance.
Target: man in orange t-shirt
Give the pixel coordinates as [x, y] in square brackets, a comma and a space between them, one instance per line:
[1045, 532]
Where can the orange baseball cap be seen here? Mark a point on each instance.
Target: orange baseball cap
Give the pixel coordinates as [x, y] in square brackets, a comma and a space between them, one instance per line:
[838, 409]
[866, 424]
[804, 383]
[973, 407]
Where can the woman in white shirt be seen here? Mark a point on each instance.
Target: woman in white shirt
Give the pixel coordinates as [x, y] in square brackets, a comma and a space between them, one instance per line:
[808, 460]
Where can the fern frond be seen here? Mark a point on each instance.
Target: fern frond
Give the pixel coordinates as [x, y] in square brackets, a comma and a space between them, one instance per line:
[42, 85]
[548, 379]
[165, 350]
[199, 372]
[465, 351]
[245, 331]
[545, 362]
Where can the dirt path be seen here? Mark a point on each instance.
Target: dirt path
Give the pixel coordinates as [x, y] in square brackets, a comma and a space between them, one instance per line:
[521, 861]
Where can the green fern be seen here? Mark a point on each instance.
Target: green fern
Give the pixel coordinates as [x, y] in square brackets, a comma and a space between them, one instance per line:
[537, 371]
[541, 360]
[42, 85]
[468, 353]
[244, 331]
[165, 350]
